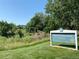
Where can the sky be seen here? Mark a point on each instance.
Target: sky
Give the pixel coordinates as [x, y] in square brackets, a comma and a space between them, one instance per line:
[20, 12]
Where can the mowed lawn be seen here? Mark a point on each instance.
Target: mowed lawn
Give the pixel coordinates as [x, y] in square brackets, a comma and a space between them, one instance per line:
[39, 51]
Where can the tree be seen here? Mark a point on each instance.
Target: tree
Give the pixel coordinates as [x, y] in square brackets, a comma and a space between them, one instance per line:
[7, 29]
[20, 26]
[20, 33]
[36, 23]
[41, 22]
[50, 24]
[65, 12]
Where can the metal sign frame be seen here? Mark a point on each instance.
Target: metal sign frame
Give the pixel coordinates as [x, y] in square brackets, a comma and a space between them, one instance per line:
[64, 31]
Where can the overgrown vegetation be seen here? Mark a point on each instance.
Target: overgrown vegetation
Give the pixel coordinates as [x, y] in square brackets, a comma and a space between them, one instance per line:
[58, 13]
[10, 30]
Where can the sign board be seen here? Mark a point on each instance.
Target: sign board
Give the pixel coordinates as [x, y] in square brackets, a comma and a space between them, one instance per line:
[64, 38]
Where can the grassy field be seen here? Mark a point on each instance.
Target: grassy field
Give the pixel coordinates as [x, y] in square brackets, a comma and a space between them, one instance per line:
[13, 43]
[26, 48]
[17, 42]
[39, 51]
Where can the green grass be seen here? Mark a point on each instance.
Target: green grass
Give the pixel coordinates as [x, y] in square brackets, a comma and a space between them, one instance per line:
[13, 43]
[26, 48]
[39, 51]
[9, 43]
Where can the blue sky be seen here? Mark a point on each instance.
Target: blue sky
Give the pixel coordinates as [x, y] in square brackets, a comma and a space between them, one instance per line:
[20, 11]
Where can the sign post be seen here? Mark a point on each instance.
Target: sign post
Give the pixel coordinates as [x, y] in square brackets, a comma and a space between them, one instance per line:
[61, 37]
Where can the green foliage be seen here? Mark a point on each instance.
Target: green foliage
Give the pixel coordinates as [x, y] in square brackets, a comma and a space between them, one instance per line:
[59, 13]
[20, 26]
[65, 12]
[20, 33]
[42, 22]
[36, 23]
[7, 29]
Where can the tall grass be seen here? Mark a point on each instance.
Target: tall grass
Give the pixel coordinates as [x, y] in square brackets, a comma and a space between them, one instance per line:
[16, 42]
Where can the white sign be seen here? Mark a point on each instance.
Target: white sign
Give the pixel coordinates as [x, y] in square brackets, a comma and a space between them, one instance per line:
[67, 37]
